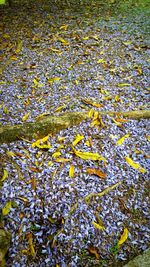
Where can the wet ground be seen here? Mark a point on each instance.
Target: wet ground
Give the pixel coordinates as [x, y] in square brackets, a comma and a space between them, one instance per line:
[59, 58]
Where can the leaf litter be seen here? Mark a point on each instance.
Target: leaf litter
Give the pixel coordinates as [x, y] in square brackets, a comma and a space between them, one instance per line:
[93, 64]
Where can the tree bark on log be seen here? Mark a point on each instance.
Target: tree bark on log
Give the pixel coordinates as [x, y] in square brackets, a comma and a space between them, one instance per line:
[53, 124]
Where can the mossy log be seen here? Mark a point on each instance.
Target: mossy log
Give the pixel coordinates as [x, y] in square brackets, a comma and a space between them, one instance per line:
[53, 124]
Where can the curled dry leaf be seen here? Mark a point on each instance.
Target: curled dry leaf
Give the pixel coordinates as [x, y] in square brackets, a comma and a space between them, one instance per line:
[96, 172]
[94, 251]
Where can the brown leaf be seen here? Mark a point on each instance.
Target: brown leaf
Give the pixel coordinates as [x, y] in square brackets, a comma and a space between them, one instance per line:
[96, 172]
[94, 251]
[33, 183]
[21, 155]
[33, 169]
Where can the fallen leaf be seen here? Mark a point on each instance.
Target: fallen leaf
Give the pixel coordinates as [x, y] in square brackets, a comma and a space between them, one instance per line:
[63, 41]
[63, 160]
[40, 142]
[56, 50]
[105, 191]
[101, 61]
[54, 79]
[88, 155]
[94, 251]
[33, 169]
[122, 139]
[10, 153]
[6, 110]
[123, 84]
[56, 154]
[96, 172]
[23, 199]
[116, 122]
[33, 183]
[64, 27]
[26, 116]
[7, 208]
[135, 165]
[91, 113]
[60, 108]
[127, 43]
[89, 102]
[123, 237]
[98, 226]
[121, 120]
[5, 175]
[77, 139]
[71, 171]
[31, 245]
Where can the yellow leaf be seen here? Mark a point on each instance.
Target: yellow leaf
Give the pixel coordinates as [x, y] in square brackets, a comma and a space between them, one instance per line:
[60, 108]
[116, 122]
[78, 139]
[26, 116]
[44, 146]
[63, 160]
[63, 41]
[7, 208]
[42, 116]
[123, 237]
[121, 140]
[71, 171]
[10, 153]
[135, 165]
[54, 79]
[56, 50]
[6, 110]
[88, 155]
[117, 99]
[23, 199]
[64, 27]
[35, 82]
[61, 139]
[127, 43]
[50, 163]
[89, 102]
[40, 142]
[56, 154]
[123, 84]
[5, 175]
[101, 61]
[98, 226]
[88, 143]
[105, 191]
[91, 113]
[85, 38]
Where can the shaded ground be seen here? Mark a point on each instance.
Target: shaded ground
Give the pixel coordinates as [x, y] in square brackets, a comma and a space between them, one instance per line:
[62, 59]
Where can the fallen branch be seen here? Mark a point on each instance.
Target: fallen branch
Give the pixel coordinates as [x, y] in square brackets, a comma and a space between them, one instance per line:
[53, 124]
